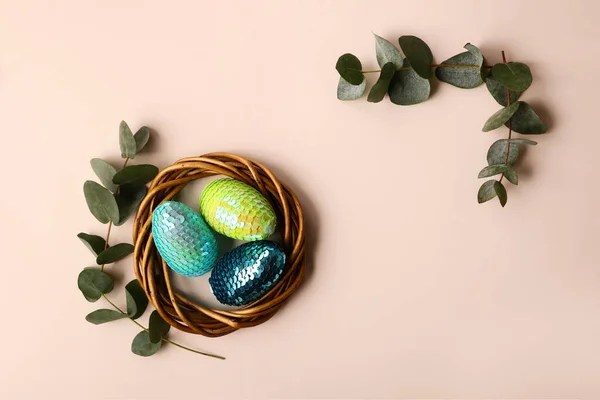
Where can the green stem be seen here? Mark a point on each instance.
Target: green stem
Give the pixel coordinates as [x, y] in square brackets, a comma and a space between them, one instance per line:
[163, 339]
[432, 66]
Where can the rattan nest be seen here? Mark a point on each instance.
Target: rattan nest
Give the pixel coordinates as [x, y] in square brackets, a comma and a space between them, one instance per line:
[153, 273]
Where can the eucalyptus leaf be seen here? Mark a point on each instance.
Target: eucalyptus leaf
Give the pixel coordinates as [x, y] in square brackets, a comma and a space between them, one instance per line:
[380, 88]
[387, 52]
[129, 198]
[497, 153]
[521, 141]
[137, 301]
[407, 88]
[492, 170]
[104, 315]
[499, 92]
[141, 138]
[511, 176]
[126, 141]
[486, 192]
[418, 54]
[95, 243]
[513, 75]
[93, 283]
[463, 70]
[114, 253]
[527, 122]
[142, 346]
[136, 174]
[500, 117]
[157, 327]
[501, 192]
[346, 91]
[105, 172]
[101, 202]
[350, 68]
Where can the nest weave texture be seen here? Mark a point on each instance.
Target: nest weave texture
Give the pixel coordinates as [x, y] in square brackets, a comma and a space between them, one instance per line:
[153, 273]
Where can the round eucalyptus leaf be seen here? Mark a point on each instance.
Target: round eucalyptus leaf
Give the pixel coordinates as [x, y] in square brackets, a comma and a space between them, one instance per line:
[501, 192]
[380, 87]
[492, 170]
[114, 253]
[157, 327]
[142, 346]
[93, 283]
[527, 122]
[499, 92]
[513, 75]
[95, 243]
[463, 70]
[126, 141]
[500, 117]
[350, 68]
[407, 88]
[346, 91]
[141, 138]
[137, 301]
[104, 315]
[136, 174]
[497, 153]
[418, 54]
[511, 176]
[387, 52]
[486, 192]
[105, 172]
[101, 202]
[128, 200]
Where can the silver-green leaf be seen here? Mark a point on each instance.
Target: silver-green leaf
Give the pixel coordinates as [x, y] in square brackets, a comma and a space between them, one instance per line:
[95, 243]
[142, 346]
[157, 327]
[464, 70]
[137, 301]
[136, 174]
[526, 121]
[141, 138]
[126, 141]
[93, 283]
[104, 315]
[500, 117]
[497, 152]
[512, 176]
[380, 87]
[346, 91]
[513, 75]
[492, 170]
[386, 52]
[499, 92]
[350, 68]
[114, 253]
[101, 202]
[128, 200]
[407, 88]
[500, 192]
[418, 54]
[486, 192]
[105, 172]
[521, 141]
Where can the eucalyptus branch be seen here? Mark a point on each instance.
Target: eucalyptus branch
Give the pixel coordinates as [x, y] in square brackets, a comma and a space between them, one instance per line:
[405, 79]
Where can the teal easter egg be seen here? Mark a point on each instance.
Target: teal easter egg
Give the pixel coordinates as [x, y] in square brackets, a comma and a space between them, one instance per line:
[237, 210]
[183, 239]
[247, 272]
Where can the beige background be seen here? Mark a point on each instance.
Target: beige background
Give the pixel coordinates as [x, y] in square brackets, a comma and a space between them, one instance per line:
[415, 291]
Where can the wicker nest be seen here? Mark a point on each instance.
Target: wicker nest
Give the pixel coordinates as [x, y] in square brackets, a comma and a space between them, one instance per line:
[153, 273]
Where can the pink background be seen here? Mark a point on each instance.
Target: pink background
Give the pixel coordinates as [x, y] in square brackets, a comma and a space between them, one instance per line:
[415, 290]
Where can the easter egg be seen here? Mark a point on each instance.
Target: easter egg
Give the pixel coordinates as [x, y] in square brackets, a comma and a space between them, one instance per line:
[247, 272]
[183, 239]
[237, 210]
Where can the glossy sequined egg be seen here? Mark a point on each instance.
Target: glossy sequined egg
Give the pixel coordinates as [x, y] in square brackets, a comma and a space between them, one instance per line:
[237, 210]
[183, 239]
[247, 272]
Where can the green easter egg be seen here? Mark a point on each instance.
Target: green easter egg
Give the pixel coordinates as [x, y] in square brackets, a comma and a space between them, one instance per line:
[237, 210]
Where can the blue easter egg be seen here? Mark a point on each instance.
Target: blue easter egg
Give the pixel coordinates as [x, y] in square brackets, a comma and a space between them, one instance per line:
[183, 239]
[247, 272]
